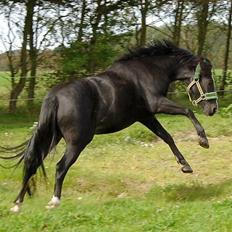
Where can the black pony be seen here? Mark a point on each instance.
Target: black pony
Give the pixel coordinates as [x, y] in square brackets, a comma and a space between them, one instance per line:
[132, 89]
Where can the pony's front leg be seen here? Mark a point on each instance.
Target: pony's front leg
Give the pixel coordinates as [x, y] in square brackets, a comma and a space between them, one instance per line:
[153, 124]
[168, 107]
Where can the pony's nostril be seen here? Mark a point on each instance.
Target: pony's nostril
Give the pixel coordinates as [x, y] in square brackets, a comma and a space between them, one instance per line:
[211, 110]
[214, 109]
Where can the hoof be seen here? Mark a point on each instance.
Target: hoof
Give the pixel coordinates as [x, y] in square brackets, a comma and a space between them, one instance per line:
[55, 202]
[203, 142]
[185, 166]
[15, 209]
[186, 169]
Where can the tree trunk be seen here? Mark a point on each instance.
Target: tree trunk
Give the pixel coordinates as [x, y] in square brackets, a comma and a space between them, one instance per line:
[33, 63]
[105, 20]
[202, 21]
[15, 92]
[80, 31]
[95, 25]
[178, 22]
[32, 80]
[177, 33]
[18, 87]
[143, 32]
[227, 49]
[102, 10]
[11, 66]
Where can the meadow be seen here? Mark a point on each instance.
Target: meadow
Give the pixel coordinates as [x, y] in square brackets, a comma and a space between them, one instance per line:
[128, 181]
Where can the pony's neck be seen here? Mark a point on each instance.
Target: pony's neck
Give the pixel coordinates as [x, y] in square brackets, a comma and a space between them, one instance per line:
[165, 65]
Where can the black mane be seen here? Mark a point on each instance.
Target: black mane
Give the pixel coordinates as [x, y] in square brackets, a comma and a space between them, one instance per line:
[158, 48]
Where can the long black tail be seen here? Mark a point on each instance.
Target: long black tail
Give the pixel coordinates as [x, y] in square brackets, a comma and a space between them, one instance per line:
[13, 149]
[44, 139]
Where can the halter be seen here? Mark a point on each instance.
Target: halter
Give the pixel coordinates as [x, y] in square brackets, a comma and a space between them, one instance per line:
[203, 96]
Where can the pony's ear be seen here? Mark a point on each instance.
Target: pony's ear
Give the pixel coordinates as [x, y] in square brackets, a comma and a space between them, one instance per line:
[206, 62]
[195, 62]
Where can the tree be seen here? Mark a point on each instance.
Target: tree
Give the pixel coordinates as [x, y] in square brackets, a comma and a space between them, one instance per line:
[143, 7]
[8, 42]
[102, 10]
[82, 20]
[205, 9]
[33, 53]
[97, 36]
[180, 4]
[19, 86]
[41, 27]
[227, 49]
[34, 37]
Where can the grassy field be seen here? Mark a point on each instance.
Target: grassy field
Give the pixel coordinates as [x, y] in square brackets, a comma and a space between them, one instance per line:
[128, 181]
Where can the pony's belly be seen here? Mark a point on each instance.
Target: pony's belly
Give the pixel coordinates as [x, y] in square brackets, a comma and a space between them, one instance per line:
[110, 127]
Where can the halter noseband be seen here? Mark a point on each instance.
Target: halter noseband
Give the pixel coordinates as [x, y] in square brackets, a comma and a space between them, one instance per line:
[203, 96]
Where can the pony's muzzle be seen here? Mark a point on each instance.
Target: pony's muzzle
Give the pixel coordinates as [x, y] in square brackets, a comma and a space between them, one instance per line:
[210, 109]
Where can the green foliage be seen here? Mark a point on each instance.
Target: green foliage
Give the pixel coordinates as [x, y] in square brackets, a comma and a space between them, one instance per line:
[227, 111]
[83, 58]
[217, 74]
[46, 80]
[74, 58]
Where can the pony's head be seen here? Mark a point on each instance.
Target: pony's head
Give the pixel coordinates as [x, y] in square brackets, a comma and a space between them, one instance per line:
[201, 88]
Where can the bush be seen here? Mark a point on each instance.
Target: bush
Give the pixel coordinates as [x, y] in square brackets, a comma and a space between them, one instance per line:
[226, 111]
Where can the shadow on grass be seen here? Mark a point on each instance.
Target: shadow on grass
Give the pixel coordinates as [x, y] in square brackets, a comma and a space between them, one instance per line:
[192, 192]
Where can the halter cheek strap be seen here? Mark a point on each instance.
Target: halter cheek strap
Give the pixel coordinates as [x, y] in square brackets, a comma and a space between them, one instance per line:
[203, 96]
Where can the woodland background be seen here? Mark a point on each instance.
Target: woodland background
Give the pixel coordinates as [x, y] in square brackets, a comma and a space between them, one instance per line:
[46, 42]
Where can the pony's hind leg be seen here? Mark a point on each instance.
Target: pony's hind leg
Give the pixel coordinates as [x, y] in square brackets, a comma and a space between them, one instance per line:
[25, 187]
[19, 199]
[71, 154]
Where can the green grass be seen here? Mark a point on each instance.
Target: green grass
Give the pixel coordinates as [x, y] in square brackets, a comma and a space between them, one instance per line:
[4, 86]
[128, 181]
[4, 79]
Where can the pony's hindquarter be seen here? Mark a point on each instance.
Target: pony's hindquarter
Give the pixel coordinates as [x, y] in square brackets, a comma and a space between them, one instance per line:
[45, 137]
[77, 123]
[66, 112]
